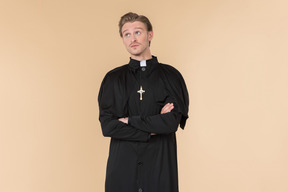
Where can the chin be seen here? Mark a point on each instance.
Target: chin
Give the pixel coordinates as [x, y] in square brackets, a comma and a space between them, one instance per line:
[135, 53]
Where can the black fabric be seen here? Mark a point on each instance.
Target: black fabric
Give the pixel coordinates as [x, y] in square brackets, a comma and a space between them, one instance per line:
[138, 161]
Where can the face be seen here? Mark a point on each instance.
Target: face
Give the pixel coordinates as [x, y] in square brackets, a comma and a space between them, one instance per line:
[136, 39]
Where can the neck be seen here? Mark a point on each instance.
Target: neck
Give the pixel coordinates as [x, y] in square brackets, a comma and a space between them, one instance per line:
[142, 57]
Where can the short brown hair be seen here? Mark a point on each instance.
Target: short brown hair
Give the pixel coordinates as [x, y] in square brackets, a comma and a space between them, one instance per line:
[131, 17]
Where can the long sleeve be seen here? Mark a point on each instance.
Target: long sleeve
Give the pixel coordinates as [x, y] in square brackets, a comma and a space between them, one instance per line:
[110, 109]
[118, 130]
[159, 124]
[177, 89]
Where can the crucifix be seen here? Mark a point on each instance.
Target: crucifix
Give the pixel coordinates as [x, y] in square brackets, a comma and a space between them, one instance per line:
[141, 91]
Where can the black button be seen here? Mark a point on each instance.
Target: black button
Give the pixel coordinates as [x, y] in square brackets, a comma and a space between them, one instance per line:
[140, 163]
[140, 190]
[143, 68]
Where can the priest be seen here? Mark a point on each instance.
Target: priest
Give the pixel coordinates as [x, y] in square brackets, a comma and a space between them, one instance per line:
[141, 105]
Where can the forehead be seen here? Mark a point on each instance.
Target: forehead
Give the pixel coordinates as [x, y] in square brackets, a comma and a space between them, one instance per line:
[133, 25]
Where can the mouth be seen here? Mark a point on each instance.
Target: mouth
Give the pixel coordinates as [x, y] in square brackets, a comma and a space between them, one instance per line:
[134, 45]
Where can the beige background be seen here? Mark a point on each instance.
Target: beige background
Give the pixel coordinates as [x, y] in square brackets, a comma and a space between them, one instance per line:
[232, 54]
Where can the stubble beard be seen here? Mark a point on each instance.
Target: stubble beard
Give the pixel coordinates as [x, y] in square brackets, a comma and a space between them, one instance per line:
[138, 53]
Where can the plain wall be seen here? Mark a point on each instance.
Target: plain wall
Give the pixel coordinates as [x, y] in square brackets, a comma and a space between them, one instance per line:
[232, 54]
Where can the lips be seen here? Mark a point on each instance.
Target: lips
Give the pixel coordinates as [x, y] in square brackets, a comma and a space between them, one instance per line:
[134, 45]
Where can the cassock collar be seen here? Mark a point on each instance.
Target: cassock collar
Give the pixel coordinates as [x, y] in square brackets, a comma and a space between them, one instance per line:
[134, 65]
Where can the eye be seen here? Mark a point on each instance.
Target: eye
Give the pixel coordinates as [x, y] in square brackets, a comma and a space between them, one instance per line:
[127, 35]
[138, 33]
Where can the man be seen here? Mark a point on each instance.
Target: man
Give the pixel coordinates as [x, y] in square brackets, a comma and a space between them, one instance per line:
[141, 106]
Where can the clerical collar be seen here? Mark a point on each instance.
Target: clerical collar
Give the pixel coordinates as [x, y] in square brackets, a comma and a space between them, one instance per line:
[135, 64]
[143, 63]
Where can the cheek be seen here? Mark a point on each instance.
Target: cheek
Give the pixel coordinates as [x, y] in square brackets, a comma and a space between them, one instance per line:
[144, 39]
[125, 42]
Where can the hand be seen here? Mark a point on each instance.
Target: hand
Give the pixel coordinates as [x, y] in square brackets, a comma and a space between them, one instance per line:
[123, 120]
[167, 108]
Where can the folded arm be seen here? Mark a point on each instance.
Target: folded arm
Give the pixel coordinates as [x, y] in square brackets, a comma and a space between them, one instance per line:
[164, 123]
[112, 127]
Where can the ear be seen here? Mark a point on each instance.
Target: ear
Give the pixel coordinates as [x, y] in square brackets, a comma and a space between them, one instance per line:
[150, 35]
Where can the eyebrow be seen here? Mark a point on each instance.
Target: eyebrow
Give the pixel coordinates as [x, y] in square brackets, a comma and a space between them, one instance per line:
[135, 28]
[124, 31]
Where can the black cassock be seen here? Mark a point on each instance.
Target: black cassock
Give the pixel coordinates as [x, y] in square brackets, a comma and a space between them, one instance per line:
[139, 162]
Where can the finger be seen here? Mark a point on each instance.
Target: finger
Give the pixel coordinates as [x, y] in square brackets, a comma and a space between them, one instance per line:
[167, 105]
[164, 109]
[167, 108]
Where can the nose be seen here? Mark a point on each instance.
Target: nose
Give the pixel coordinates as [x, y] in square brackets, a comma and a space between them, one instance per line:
[133, 38]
